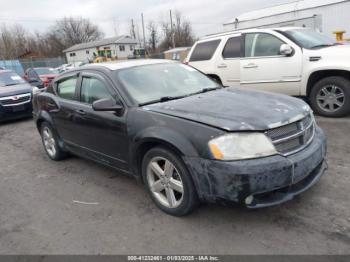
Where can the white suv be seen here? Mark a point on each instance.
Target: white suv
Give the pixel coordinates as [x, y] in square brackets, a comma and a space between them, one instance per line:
[292, 61]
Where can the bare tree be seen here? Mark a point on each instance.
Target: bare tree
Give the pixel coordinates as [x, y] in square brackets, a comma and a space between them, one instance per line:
[71, 31]
[183, 33]
[153, 36]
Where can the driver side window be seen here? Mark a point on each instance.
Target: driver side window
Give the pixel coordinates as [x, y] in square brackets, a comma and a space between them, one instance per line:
[93, 89]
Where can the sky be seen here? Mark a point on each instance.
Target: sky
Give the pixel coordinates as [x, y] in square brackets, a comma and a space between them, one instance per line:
[114, 16]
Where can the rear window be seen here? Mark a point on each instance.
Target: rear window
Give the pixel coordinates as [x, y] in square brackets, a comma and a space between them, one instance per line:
[204, 51]
[232, 48]
[66, 88]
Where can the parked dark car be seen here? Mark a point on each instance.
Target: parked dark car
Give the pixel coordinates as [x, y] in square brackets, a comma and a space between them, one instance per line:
[185, 137]
[15, 96]
[40, 76]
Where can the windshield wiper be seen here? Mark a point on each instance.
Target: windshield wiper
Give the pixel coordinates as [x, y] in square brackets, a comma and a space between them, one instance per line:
[320, 46]
[162, 99]
[13, 84]
[169, 98]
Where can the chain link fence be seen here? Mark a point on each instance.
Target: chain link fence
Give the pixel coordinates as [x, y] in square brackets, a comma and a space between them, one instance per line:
[44, 62]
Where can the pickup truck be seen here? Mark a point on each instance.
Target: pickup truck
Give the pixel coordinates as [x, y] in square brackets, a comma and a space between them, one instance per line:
[292, 61]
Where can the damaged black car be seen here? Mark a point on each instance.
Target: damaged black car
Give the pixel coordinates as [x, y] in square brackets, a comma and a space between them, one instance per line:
[187, 138]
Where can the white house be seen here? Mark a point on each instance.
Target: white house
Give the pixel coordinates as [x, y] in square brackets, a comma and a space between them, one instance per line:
[324, 16]
[119, 47]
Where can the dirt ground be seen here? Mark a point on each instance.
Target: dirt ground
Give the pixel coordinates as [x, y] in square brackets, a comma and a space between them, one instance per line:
[79, 207]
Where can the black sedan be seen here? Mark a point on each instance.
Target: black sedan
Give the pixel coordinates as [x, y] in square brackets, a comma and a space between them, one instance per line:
[188, 139]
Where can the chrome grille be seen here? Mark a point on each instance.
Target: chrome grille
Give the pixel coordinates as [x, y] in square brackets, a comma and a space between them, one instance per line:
[15, 100]
[293, 137]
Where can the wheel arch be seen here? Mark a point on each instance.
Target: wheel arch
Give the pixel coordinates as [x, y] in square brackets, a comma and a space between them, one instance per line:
[165, 138]
[321, 74]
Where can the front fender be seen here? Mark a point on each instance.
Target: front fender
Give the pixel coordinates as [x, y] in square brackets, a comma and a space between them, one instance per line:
[163, 136]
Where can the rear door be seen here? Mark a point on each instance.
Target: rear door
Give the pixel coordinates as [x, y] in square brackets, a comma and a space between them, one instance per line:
[202, 56]
[228, 62]
[102, 135]
[262, 66]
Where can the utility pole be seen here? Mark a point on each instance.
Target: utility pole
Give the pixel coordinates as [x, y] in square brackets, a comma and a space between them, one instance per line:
[172, 30]
[143, 32]
[133, 34]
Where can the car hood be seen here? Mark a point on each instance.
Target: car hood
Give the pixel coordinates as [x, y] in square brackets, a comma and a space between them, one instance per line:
[334, 52]
[234, 109]
[15, 90]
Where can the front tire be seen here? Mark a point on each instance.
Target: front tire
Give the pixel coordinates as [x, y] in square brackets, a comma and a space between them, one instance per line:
[50, 143]
[168, 182]
[330, 97]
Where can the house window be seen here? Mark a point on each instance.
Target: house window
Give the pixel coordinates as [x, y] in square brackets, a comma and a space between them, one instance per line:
[131, 48]
[122, 48]
[87, 52]
[72, 54]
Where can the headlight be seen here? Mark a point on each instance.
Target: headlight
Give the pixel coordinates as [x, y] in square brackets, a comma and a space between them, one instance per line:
[241, 146]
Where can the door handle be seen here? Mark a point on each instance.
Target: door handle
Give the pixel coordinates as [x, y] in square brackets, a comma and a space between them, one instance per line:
[222, 66]
[51, 104]
[80, 112]
[251, 65]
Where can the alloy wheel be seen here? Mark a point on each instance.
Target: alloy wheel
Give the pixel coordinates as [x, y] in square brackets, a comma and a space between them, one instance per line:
[165, 182]
[49, 141]
[331, 98]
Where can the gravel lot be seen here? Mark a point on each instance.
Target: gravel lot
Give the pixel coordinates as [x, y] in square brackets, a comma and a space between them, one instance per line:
[39, 212]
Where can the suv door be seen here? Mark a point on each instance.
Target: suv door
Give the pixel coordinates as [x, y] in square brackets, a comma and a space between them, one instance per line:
[103, 135]
[262, 66]
[228, 62]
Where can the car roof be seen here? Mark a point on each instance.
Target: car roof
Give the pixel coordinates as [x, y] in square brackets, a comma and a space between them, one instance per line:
[127, 64]
[222, 34]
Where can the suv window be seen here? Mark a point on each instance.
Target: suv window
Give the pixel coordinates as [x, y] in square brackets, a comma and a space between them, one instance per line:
[232, 48]
[66, 88]
[262, 44]
[204, 51]
[93, 89]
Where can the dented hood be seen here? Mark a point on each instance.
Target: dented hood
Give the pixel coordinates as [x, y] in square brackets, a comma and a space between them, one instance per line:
[234, 109]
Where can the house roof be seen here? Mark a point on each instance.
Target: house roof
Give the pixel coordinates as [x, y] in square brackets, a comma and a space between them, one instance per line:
[177, 49]
[124, 39]
[284, 8]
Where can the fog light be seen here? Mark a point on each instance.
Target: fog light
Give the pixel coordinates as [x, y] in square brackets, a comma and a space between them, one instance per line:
[249, 200]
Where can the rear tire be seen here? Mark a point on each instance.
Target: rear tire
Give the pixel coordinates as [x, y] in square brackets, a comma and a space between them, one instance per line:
[50, 143]
[330, 97]
[168, 182]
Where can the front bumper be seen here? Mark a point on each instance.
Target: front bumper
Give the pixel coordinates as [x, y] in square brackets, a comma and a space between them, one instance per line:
[266, 181]
[16, 112]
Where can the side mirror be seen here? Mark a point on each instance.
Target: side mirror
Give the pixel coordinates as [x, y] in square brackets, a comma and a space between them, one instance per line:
[107, 104]
[286, 50]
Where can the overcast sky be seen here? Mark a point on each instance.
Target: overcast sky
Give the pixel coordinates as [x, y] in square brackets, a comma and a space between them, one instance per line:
[113, 16]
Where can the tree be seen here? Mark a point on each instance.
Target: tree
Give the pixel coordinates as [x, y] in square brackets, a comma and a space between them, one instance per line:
[70, 31]
[183, 33]
[153, 36]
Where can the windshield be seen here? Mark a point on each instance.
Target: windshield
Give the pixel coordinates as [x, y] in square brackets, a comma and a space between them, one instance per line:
[161, 82]
[10, 79]
[46, 71]
[309, 39]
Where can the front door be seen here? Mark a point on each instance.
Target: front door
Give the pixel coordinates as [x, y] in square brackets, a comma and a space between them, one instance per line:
[263, 68]
[102, 135]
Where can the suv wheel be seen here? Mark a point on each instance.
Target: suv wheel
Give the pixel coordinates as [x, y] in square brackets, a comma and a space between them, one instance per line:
[168, 182]
[331, 97]
[50, 143]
